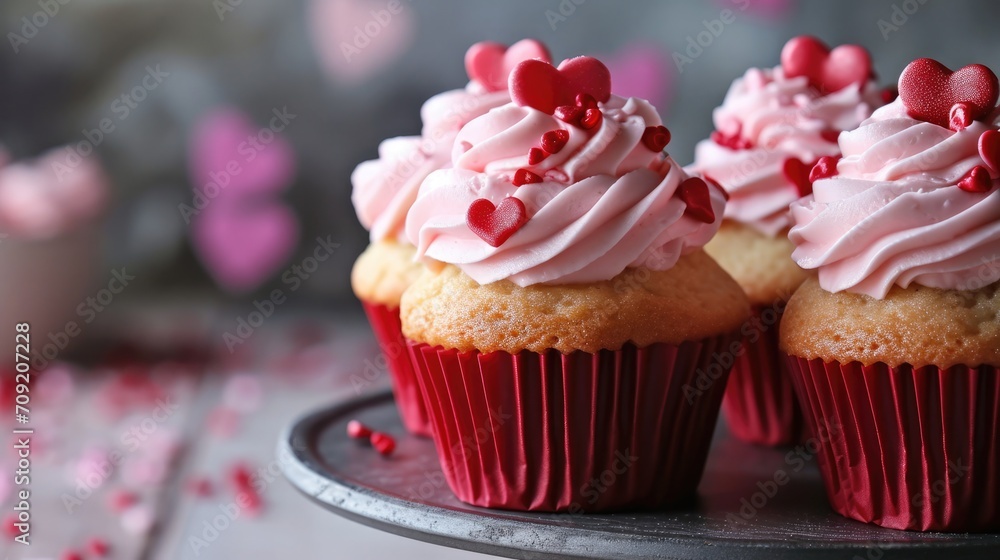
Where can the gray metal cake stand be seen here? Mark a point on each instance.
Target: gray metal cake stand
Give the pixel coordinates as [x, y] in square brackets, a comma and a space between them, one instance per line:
[406, 494]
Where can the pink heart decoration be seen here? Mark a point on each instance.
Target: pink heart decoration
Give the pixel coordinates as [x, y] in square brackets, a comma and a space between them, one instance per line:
[356, 39]
[540, 85]
[242, 246]
[491, 63]
[827, 71]
[929, 90]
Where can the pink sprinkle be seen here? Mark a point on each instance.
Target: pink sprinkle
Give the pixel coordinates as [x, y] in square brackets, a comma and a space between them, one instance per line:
[121, 500]
[200, 487]
[98, 547]
[138, 519]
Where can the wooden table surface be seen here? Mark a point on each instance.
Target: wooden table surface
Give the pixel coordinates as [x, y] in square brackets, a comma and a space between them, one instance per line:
[141, 456]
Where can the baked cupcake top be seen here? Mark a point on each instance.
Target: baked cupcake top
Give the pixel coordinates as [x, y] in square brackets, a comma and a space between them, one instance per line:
[774, 125]
[566, 184]
[384, 188]
[49, 196]
[915, 198]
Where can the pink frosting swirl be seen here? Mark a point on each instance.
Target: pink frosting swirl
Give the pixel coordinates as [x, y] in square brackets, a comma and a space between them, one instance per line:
[894, 215]
[780, 118]
[384, 188]
[45, 197]
[606, 201]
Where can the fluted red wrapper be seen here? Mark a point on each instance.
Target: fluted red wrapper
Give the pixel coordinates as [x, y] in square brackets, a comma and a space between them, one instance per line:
[389, 334]
[907, 448]
[760, 405]
[579, 432]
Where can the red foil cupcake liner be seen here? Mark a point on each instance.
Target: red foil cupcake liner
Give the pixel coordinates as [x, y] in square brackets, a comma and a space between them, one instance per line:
[409, 399]
[760, 405]
[908, 448]
[579, 432]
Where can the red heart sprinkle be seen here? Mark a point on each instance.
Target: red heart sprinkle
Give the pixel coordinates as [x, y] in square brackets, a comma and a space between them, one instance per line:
[495, 224]
[585, 101]
[656, 137]
[694, 192]
[569, 113]
[98, 547]
[538, 84]
[830, 135]
[490, 63]
[977, 180]
[889, 94]
[797, 173]
[536, 156]
[929, 90]
[357, 430]
[524, 177]
[959, 117]
[825, 167]
[828, 71]
[733, 142]
[554, 140]
[383, 443]
[989, 149]
[591, 118]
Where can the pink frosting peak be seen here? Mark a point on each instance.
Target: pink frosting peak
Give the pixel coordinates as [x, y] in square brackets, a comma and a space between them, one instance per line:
[384, 188]
[600, 202]
[894, 213]
[46, 197]
[766, 118]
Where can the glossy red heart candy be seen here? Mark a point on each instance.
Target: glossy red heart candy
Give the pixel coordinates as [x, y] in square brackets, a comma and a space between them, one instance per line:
[540, 85]
[826, 70]
[929, 90]
[989, 149]
[495, 224]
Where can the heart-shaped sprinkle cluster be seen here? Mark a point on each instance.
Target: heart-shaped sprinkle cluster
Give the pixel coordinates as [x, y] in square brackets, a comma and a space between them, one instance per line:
[538, 84]
[694, 192]
[930, 92]
[583, 113]
[490, 63]
[827, 71]
[797, 173]
[495, 224]
[732, 141]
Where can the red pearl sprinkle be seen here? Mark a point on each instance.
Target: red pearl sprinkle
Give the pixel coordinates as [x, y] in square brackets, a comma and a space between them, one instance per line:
[98, 547]
[554, 140]
[825, 167]
[960, 116]
[569, 114]
[656, 138]
[591, 118]
[586, 101]
[357, 430]
[977, 180]
[524, 177]
[536, 156]
[383, 443]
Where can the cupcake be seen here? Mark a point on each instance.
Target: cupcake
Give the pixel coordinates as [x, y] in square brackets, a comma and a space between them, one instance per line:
[569, 331]
[896, 342]
[772, 128]
[50, 247]
[384, 189]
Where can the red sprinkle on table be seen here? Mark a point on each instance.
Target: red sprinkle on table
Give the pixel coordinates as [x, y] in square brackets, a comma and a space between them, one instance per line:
[383, 443]
[357, 430]
[98, 547]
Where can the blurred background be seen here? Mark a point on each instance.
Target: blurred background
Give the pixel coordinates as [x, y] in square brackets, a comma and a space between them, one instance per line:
[118, 120]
